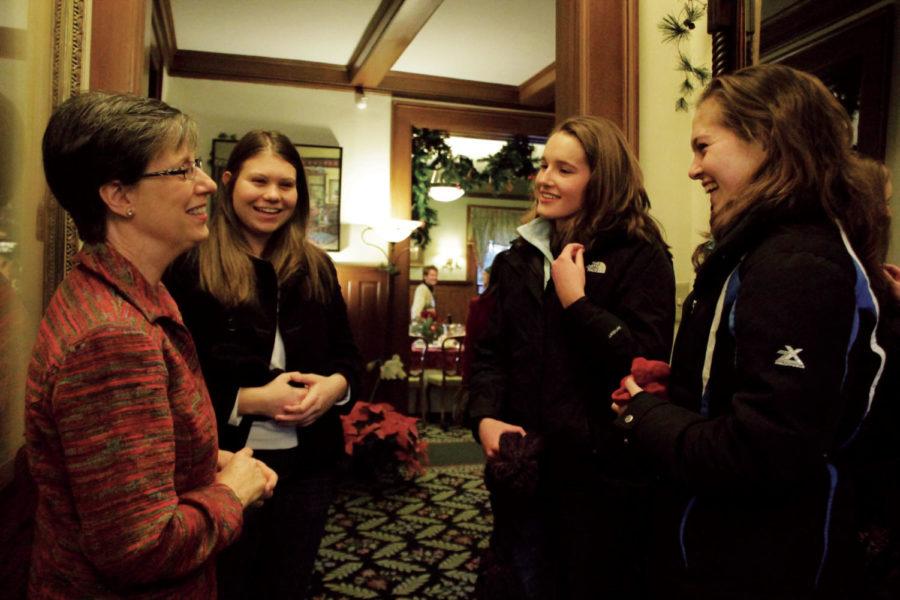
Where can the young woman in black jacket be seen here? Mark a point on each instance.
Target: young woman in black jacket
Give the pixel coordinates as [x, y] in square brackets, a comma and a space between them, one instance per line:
[777, 361]
[265, 309]
[586, 287]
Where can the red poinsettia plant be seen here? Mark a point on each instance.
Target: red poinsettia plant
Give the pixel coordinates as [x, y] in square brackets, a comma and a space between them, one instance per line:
[380, 439]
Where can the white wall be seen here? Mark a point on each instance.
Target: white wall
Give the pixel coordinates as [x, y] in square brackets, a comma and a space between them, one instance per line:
[309, 116]
[678, 203]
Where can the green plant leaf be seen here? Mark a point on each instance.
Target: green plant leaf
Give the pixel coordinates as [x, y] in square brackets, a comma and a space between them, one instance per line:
[430, 531]
[351, 591]
[672, 29]
[342, 571]
[410, 585]
[453, 561]
[389, 550]
[399, 565]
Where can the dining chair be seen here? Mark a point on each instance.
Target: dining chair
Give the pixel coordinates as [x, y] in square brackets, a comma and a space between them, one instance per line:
[415, 378]
[449, 376]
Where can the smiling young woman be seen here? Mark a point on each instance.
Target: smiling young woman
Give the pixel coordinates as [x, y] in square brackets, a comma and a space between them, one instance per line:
[586, 287]
[777, 359]
[265, 309]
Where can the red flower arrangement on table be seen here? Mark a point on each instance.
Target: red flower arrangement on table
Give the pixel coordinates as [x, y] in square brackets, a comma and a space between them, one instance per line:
[428, 326]
[377, 436]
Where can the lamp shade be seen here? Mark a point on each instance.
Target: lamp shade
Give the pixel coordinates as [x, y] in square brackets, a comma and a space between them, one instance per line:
[396, 230]
[445, 193]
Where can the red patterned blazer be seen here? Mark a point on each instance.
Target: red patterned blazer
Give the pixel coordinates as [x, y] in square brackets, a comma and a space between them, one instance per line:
[121, 441]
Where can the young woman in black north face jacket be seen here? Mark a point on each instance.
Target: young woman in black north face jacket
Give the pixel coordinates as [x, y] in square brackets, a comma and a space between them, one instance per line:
[587, 287]
[776, 361]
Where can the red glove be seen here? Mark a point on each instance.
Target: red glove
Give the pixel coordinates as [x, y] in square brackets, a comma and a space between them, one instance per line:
[652, 375]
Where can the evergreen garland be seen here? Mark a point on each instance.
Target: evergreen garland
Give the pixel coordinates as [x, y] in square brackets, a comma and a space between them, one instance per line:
[677, 28]
[430, 152]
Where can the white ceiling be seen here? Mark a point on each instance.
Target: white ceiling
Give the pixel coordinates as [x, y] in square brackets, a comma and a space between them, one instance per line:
[496, 41]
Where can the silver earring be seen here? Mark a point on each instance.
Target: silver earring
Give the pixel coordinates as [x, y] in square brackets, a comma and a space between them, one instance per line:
[129, 213]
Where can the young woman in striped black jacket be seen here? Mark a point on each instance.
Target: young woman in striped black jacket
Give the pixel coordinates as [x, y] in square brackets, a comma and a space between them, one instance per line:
[776, 361]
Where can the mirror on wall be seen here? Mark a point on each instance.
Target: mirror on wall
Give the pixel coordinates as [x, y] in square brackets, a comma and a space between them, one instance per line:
[453, 243]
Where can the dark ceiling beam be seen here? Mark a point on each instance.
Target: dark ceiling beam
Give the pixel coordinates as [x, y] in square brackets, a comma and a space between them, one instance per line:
[164, 30]
[393, 26]
[259, 69]
[233, 67]
[540, 89]
[448, 89]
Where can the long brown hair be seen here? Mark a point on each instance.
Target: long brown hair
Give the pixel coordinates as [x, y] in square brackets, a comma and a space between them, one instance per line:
[807, 137]
[226, 270]
[614, 196]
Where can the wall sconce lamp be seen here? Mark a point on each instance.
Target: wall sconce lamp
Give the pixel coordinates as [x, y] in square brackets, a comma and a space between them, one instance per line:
[392, 231]
[359, 97]
[453, 263]
[443, 191]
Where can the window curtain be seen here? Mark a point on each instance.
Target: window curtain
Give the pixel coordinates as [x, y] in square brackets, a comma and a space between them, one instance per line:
[491, 224]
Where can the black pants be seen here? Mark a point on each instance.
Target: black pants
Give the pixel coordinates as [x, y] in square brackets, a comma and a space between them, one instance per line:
[275, 554]
[584, 536]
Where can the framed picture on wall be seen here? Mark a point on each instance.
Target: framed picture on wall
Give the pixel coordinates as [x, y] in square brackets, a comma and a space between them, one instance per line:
[323, 177]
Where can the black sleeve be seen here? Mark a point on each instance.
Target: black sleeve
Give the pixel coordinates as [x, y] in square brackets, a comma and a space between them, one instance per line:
[227, 364]
[781, 418]
[639, 324]
[487, 387]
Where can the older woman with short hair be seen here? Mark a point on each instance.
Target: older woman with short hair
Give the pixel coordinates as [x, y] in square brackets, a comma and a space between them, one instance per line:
[134, 497]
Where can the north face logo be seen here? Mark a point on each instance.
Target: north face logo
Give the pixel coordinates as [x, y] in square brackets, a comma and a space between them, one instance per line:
[790, 357]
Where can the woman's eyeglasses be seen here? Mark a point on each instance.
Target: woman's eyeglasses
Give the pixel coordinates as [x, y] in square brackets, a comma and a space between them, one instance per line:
[187, 172]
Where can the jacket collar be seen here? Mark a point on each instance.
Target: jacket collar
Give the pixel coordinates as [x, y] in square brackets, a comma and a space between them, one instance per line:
[154, 302]
[537, 233]
[528, 257]
[751, 228]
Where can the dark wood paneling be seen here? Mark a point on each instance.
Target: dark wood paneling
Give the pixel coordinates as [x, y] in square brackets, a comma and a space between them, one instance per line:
[863, 44]
[365, 290]
[784, 26]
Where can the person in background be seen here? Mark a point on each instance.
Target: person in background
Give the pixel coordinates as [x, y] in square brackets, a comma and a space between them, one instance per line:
[135, 499]
[587, 286]
[477, 318]
[265, 306]
[777, 359]
[423, 298]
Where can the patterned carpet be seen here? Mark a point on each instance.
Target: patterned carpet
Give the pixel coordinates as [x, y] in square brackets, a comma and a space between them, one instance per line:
[416, 539]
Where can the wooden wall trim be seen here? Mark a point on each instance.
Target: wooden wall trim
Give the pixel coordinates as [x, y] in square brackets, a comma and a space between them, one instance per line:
[256, 69]
[117, 45]
[164, 30]
[236, 67]
[597, 61]
[539, 90]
